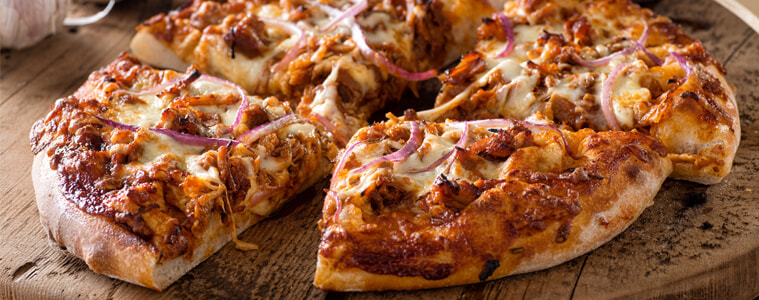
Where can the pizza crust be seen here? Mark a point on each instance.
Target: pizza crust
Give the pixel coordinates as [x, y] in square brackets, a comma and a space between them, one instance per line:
[109, 249]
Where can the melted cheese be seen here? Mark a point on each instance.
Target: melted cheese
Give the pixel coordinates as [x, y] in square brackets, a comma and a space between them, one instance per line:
[516, 99]
[158, 145]
[385, 29]
[354, 183]
[146, 114]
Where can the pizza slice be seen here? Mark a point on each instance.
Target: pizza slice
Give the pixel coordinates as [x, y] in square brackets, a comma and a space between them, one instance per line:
[415, 204]
[340, 60]
[604, 65]
[143, 174]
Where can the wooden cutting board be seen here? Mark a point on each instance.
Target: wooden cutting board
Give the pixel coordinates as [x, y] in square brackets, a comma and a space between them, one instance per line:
[695, 242]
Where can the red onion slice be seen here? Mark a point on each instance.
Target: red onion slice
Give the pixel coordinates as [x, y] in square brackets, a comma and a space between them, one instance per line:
[193, 140]
[339, 137]
[604, 60]
[683, 63]
[641, 43]
[351, 12]
[382, 61]
[243, 98]
[341, 163]
[292, 29]
[184, 138]
[115, 124]
[460, 144]
[611, 120]
[658, 61]
[401, 154]
[338, 206]
[508, 28]
[254, 134]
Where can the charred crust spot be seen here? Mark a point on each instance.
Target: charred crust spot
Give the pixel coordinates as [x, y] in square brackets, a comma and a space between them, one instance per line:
[563, 234]
[490, 266]
[516, 250]
[632, 171]
[689, 94]
[229, 37]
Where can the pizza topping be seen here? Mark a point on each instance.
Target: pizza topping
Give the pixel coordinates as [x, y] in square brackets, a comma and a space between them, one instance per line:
[254, 134]
[509, 31]
[606, 104]
[351, 12]
[641, 44]
[382, 61]
[411, 145]
[115, 124]
[240, 91]
[339, 137]
[293, 52]
[684, 64]
[459, 145]
[341, 163]
[246, 37]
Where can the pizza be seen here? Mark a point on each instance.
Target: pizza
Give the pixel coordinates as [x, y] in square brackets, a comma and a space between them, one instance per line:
[341, 60]
[415, 204]
[495, 179]
[550, 136]
[143, 173]
[604, 65]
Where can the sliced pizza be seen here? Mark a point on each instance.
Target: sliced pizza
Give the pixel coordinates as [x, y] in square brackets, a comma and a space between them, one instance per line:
[143, 174]
[417, 205]
[604, 65]
[341, 60]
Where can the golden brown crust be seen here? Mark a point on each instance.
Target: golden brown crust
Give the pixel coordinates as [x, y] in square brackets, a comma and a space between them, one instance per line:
[108, 248]
[545, 206]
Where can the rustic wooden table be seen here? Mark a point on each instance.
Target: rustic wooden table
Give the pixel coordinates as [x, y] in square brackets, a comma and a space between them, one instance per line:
[695, 242]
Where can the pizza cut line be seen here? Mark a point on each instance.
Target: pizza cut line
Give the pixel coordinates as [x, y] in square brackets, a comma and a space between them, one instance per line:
[547, 139]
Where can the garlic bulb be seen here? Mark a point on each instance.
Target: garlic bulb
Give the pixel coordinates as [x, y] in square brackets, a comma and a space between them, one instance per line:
[25, 22]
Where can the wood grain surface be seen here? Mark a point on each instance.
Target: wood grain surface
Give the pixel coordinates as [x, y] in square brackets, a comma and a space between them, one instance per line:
[695, 242]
